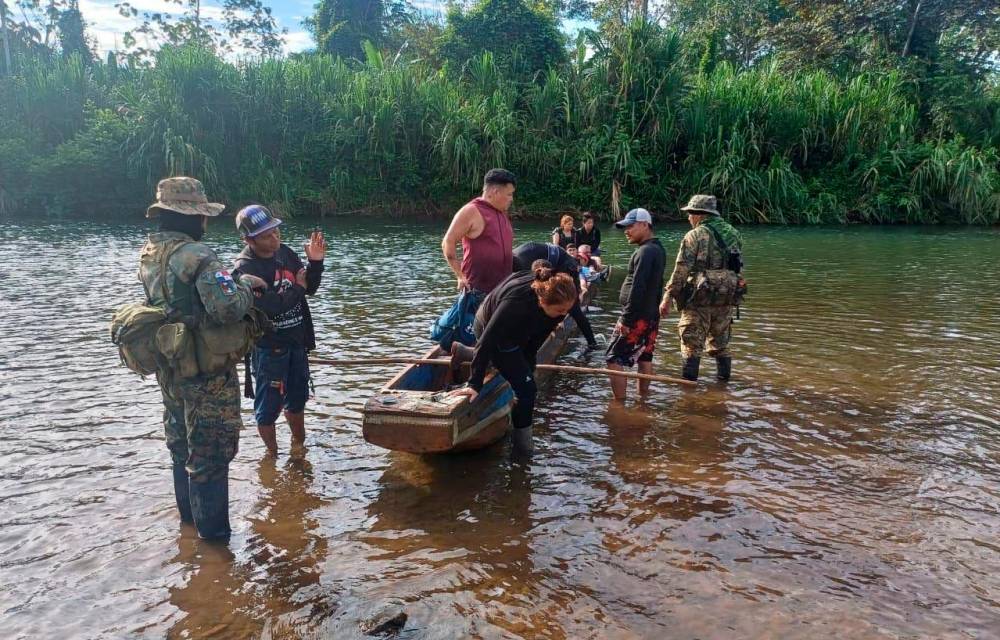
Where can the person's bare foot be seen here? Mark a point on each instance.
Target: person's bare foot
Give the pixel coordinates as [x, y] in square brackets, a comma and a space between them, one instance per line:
[297, 451]
[269, 438]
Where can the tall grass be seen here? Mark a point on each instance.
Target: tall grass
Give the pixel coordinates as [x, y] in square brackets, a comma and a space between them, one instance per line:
[633, 119]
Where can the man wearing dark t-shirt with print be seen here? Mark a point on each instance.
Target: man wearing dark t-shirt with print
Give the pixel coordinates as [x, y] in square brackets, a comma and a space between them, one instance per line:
[279, 359]
[635, 333]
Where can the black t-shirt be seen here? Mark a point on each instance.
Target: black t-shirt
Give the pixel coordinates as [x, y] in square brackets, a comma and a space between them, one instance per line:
[593, 238]
[562, 262]
[287, 323]
[643, 286]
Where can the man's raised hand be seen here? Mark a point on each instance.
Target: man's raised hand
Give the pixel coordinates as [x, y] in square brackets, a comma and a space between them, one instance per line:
[316, 247]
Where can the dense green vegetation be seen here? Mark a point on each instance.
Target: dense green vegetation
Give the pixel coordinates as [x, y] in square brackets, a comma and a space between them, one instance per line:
[637, 112]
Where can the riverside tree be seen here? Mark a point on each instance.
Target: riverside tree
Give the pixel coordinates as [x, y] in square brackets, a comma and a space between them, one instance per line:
[523, 38]
[38, 29]
[639, 114]
[341, 27]
[838, 34]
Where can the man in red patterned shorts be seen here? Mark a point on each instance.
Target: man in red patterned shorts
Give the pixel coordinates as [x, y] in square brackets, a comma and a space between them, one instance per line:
[634, 337]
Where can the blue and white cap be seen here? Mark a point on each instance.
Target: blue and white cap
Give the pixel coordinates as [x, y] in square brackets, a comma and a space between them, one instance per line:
[255, 220]
[633, 216]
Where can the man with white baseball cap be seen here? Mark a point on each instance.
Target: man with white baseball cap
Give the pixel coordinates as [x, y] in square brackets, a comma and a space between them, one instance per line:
[635, 332]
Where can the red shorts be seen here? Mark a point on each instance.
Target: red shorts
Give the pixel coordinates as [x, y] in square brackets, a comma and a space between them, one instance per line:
[634, 345]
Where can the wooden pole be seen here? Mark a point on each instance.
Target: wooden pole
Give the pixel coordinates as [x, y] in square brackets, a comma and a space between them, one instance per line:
[562, 368]
[362, 362]
[565, 368]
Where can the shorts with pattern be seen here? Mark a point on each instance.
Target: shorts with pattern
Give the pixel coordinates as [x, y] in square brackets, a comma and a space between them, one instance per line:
[635, 344]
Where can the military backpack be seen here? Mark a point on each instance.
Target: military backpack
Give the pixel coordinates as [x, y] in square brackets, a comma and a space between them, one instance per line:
[151, 338]
[135, 326]
[720, 287]
[133, 331]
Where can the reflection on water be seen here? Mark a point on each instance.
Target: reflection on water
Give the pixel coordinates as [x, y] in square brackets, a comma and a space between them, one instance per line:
[274, 586]
[846, 484]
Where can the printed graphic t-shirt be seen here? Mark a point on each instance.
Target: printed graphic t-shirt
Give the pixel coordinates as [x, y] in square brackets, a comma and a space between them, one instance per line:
[284, 300]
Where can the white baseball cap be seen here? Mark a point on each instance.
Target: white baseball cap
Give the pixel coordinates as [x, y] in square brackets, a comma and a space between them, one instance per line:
[633, 216]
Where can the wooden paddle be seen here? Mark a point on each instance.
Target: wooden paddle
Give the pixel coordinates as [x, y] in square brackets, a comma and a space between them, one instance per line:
[446, 362]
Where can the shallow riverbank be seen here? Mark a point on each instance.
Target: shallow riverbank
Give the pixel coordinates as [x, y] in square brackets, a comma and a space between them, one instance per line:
[844, 485]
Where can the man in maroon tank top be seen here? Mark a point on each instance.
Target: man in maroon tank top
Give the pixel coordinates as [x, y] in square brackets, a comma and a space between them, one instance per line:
[486, 235]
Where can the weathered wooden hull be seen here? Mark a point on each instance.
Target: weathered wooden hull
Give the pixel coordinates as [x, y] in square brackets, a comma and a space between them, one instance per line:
[405, 419]
[413, 412]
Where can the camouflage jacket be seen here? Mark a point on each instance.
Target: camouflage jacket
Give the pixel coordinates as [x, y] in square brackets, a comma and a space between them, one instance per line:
[699, 252]
[197, 283]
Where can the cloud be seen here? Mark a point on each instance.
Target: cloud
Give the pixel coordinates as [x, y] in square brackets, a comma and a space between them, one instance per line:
[107, 27]
[429, 6]
[296, 41]
[104, 24]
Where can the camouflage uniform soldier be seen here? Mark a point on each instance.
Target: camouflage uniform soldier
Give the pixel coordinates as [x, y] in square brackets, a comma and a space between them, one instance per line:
[702, 320]
[201, 416]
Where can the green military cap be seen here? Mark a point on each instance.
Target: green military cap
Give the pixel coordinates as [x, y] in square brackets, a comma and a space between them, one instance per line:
[183, 195]
[703, 204]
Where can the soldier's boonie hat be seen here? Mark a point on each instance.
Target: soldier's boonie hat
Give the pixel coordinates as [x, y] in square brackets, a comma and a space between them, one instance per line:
[183, 195]
[255, 220]
[633, 216]
[702, 203]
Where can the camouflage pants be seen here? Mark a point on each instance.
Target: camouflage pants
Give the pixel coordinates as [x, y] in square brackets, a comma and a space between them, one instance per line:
[201, 420]
[701, 325]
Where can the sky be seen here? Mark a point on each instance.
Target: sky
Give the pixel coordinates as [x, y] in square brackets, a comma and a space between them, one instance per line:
[106, 26]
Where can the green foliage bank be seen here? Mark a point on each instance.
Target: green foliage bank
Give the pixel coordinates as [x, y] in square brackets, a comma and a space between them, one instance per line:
[633, 116]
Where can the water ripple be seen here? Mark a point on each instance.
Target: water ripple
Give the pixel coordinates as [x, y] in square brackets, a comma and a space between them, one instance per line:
[845, 484]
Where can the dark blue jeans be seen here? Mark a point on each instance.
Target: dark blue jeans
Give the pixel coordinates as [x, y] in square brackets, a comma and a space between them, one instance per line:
[281, 381]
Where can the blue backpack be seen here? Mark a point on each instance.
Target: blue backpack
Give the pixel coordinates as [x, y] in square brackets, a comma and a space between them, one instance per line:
[456, 323]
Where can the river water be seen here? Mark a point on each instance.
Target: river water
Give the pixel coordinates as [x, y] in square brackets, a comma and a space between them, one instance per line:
[846, 483]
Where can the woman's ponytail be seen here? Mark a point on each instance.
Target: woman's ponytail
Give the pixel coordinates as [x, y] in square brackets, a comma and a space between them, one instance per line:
[543, 270]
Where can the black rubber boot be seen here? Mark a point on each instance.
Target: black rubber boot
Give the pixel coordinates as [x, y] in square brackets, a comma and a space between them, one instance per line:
[521, 440]
[210, 507]
[690, 371]
[181, 493]
[724, 368]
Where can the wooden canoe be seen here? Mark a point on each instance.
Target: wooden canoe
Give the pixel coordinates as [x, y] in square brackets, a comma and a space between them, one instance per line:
[413, 411]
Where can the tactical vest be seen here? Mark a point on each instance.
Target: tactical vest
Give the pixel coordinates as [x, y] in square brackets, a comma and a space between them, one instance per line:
[723, 286]
[158, 280]
[189, 341]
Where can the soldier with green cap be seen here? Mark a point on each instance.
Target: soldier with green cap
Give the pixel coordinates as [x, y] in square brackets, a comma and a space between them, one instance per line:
[201, 416]
[705, 286]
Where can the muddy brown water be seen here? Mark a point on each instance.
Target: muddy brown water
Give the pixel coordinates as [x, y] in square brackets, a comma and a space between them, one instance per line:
[846, 484]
